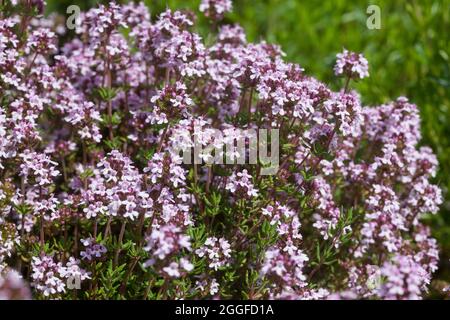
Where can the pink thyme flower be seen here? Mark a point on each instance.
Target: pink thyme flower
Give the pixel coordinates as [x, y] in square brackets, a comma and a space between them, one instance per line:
[241, 182]
[47, 276]
[215, 9]
[39, 167]
[216, 251]
[163, 245]
[352, 65]
[92, 249]
[13, 287]
[405, 279]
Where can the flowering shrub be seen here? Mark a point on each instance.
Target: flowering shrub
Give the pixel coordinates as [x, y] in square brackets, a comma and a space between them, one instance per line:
[96, 187]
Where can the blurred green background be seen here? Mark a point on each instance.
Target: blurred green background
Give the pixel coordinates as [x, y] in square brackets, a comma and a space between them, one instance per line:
[408, 56]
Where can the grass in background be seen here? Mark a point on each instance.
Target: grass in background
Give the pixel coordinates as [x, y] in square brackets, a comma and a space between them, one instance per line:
[408, 56]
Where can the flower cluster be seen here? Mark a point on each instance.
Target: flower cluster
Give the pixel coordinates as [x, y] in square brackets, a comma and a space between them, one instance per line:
[405, 279]
[285, 267]
[241, 183]
[215, 9]
[216, 251]
[12, 287]
[112, 147]
[163, 245]
[92, 250]
[50, 277]
[352, 65]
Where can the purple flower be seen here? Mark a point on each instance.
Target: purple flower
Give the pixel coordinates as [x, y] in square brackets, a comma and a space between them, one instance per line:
[215, 9]
[216, 251]
[13, 287]
[163, 245]
[92, 249]
[47, 276]
[352, 65]
[404, 279]
[241, 183]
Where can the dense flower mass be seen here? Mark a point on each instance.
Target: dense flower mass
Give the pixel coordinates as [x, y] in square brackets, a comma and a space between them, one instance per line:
[122, 174]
